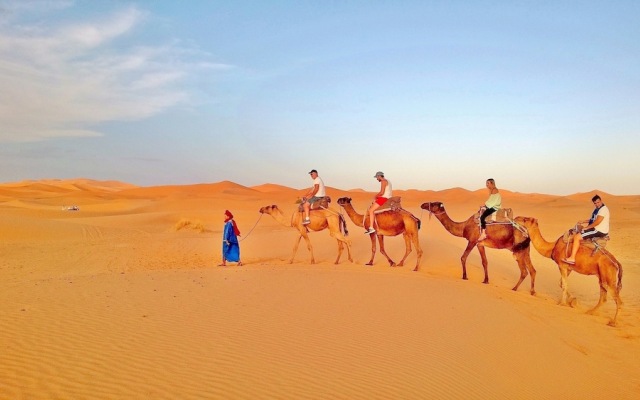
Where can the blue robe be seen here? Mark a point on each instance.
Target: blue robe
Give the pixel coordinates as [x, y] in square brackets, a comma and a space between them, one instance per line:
[231, 250]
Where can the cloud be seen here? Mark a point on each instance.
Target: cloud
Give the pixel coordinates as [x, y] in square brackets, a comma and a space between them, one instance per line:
[64, 79]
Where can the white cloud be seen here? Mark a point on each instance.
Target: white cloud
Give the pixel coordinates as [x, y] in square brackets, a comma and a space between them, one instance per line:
[92, 35]
[63, 80]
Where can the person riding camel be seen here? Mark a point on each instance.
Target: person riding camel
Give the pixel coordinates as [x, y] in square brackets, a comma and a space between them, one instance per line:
[379, 199]
[314, 194]
[594, 227]
[493, 204]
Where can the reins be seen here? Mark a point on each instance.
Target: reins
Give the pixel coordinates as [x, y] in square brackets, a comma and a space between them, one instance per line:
[251, 230]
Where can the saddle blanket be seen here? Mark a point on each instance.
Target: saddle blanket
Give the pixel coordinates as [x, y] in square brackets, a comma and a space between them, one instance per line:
[322, 203]
[588, 243]
[501, 216]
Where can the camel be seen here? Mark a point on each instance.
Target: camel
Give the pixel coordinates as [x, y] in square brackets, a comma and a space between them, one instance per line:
[588, 262]
[499, 236]
[320, 220]
[389, 223]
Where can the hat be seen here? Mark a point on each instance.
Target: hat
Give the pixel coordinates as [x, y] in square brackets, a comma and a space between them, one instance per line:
[379, 173]
[312, 171]
[228, 214]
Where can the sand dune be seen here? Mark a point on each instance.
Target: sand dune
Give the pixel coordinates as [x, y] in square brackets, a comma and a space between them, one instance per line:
[113, 302]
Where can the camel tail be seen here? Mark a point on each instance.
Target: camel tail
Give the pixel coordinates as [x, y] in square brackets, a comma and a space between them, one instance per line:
[522, 245]
[343, 225]
[619, 276]
[617, 264]
[418, 222]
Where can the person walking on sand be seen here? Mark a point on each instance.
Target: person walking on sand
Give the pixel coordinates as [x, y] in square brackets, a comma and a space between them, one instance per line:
[379, 199]
[493, 204]
[594, 227]
[230, 245]
[314, 194]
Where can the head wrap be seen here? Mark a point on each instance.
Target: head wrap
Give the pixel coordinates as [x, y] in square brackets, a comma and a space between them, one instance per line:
[230, 217]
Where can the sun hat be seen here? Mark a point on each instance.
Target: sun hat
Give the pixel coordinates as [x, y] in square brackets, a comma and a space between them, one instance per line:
[379, 173]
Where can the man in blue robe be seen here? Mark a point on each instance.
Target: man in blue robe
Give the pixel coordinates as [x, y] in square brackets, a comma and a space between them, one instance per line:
[230, 245]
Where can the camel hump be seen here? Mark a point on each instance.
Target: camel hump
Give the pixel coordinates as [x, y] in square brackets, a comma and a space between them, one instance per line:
[392, 204]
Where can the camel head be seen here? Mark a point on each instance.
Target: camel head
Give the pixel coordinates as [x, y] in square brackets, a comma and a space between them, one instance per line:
[434, 207]
[268, 209]
[344, 200]
[527, 222]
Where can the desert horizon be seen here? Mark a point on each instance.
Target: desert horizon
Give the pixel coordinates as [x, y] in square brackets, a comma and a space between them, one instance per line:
[123, 298]
[77, 184]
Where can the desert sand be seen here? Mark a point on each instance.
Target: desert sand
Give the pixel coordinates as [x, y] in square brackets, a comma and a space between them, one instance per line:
[124, 299]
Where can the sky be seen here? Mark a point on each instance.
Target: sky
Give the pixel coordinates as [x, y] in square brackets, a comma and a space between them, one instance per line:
[542, 96]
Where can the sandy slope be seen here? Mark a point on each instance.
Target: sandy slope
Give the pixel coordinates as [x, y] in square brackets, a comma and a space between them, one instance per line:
[112, 302]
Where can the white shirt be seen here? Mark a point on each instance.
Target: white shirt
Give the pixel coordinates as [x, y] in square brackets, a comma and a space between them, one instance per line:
[603, 226]
[321, 190]
[494, 201]
[387, 191]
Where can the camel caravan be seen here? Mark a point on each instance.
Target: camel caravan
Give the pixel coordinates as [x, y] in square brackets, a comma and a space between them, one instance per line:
[580, 249]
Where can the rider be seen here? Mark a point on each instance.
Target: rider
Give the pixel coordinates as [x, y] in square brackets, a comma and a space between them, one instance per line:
[594, 227]
[493, 204]
[380, 198]
[314, 194]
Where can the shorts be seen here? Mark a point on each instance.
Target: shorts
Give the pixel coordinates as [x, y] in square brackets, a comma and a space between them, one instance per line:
[313, 199]
[592, 233]
[381, 200]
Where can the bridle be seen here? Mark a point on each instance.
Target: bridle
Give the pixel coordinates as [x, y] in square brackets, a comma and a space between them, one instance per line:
[433, 213]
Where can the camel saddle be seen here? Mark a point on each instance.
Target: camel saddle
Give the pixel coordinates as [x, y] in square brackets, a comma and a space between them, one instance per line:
[502, 216]
[392, 204]
[322, 203]
[593, 243]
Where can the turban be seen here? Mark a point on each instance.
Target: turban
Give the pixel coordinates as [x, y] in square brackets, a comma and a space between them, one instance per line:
[233, 222]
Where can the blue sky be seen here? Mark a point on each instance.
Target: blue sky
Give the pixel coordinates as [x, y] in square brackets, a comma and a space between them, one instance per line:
[542, 96]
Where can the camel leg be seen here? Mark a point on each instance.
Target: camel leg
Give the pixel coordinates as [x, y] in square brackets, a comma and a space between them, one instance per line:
[295, 249]
[373, 249]
[522, 265]
[601, 299]
[485, 263]
[340, 248]
[563, 284]
[618, 300]
[343, 242]
[523, 270]
[383, 252]
[416, 243]
[609, 281]
[532, 271]
[463, 259]
[407, 248]
[306, 239]
[566, 298]
[335, 232]
[348, 250]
